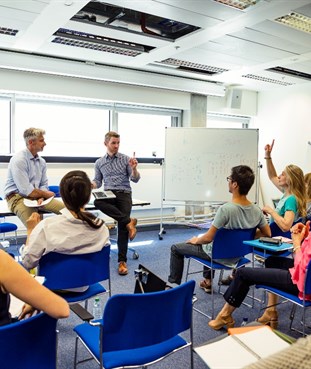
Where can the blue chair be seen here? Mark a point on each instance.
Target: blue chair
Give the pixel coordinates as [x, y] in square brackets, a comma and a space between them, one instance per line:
[303, 303]
[6, 227]
[55, 189]
[227, 244]
[29, 343]
[138, 330]
[63, 271]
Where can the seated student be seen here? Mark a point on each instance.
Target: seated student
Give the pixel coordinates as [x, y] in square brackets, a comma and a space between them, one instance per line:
[286, 274]
[74, 231]
[240, 213]
[292, 204]
[307, 179]
[16, 280]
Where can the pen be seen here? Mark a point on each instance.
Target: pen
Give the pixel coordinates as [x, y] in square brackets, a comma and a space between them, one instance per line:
[134, 154]
[271, 147]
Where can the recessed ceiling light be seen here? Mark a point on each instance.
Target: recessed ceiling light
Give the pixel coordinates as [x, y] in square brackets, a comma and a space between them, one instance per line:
[8, 31]
[238, 4]
[297, 21]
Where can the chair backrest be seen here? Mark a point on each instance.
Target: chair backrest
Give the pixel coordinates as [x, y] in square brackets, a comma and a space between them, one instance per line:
[276, 231]
[137, 320]
[308, 279]
[55, 189]
[228, 243]
[63, 271]
[29, 344]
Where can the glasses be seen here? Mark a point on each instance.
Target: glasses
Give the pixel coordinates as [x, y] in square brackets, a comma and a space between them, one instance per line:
[229, 179]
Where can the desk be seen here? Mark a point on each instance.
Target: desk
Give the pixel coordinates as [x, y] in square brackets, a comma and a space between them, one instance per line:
[269, 247]
[6, 212]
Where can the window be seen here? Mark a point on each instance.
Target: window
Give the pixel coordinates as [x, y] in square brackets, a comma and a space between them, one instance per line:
[71, 129]
[215, 120]
[5, 113]
[143, 134]
[75, 129]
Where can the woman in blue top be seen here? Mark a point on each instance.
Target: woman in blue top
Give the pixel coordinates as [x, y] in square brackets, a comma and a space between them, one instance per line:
[292, 204]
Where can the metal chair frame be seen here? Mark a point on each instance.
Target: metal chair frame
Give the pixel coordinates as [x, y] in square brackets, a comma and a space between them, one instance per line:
[228, 243]
[295, 300]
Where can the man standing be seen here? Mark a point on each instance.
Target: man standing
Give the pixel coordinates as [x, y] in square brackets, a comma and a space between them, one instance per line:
[27, 178]
[115, 171]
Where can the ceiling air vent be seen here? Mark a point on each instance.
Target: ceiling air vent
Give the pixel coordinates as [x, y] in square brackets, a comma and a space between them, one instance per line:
[290, 72]
[268, 80]
[8, 31]
[98, 43]
[192, 67]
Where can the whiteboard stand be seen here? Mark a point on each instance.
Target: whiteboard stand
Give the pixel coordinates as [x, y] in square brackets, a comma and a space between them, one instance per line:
[162, 230]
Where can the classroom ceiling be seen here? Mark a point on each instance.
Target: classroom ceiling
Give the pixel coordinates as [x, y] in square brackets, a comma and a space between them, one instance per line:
[249, 46]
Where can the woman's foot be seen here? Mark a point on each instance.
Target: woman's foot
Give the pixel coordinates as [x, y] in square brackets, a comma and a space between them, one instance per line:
[206, 285]
[222, 321]
[269, 317]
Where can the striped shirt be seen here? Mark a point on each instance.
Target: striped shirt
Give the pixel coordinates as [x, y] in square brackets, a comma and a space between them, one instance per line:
[114, 172]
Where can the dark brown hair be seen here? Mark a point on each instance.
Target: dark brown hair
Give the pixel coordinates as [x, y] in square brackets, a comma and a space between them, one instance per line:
[75, 190]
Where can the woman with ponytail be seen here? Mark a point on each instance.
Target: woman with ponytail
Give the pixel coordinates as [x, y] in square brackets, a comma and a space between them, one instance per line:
[74, 231]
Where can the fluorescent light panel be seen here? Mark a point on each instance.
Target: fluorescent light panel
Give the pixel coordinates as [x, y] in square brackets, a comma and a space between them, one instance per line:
[297, 21]
[238, 4]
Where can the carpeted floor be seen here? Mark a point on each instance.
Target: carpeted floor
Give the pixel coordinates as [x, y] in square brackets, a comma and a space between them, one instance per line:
[155, 255]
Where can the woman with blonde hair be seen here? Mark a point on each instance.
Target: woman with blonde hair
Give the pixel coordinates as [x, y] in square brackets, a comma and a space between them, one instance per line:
[292, 204]
[308, 190]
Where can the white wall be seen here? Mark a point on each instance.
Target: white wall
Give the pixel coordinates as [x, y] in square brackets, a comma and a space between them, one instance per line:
[284, 115]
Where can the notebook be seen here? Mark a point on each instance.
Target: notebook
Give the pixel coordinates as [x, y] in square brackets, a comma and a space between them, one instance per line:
[146, 281]
[248, 348]
[101, 194]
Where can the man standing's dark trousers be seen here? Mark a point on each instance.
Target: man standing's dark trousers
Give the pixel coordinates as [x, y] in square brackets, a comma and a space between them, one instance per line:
[118, 208]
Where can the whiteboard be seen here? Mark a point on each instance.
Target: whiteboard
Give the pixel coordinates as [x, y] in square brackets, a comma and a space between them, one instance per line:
[198, 160]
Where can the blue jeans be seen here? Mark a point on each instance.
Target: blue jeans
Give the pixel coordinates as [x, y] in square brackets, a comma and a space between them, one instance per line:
[178, 252]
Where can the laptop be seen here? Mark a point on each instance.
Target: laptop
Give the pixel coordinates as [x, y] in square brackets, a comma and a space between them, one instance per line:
[101, 194]
[147, 281]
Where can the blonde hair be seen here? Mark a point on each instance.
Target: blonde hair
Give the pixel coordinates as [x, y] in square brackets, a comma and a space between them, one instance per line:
[308, 186]
[297, 187]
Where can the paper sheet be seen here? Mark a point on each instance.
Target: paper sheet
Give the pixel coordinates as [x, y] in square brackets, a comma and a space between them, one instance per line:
[34, 203]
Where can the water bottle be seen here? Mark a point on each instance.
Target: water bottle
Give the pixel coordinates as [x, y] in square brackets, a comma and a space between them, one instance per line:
[244, 322]
[97, 311]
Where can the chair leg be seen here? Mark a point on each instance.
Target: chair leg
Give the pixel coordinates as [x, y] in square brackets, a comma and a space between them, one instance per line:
[187, 271]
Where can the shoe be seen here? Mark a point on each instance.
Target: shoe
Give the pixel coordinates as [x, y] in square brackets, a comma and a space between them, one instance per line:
[227, 281]
[131, 227]
[122, 268]
[269, 317]
[221, 321]
[205, 286]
